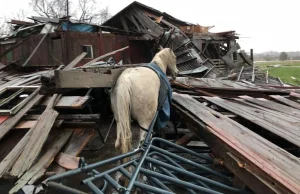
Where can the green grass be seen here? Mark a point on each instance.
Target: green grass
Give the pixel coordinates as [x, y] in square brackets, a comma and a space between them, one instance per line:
[284, 72]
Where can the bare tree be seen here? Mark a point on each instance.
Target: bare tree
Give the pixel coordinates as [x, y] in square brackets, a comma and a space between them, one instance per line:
[87, 11]
[5, 27]
[49, 8]
[90, 14]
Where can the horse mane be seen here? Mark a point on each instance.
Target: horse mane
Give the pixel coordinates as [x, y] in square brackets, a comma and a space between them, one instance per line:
[161, 58]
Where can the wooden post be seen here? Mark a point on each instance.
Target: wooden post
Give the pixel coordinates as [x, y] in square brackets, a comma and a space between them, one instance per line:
[252, 61]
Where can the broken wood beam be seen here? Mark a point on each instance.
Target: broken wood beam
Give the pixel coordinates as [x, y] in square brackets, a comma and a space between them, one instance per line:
[286, 101]
[10, 159]
[39, 169]
[75, 61]
[262, 165]
[69, 102]
[240, 74]
[12, 121]
[67, 161]
[175, 83]
[184, 140]
[79, 79]
[85, 117]
[37, 139]
[37, 46]
[32, 123]
[78, 141]
[106, 55]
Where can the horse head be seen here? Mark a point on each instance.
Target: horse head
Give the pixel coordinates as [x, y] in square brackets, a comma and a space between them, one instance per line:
[172, 64]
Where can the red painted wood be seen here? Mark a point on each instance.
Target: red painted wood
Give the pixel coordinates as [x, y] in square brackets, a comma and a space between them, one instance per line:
[3, 118]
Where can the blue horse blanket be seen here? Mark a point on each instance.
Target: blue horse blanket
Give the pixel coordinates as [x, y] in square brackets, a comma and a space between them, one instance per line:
[164, 98]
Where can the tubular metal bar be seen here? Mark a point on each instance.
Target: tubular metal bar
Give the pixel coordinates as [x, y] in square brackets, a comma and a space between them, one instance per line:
[113, 182]
[163, 170]
[191, 163]
[94, 188]
[107, 172]
[175, 164]
[147, 139]
[146, 146]
[181, 148]
[137, 169]
[181, 183]
[192, 175]
[92, 166]
[167, 164]
[140, 185]
[61, 189]
[105, 182]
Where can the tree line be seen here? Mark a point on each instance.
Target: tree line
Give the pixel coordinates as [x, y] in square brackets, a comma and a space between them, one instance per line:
[274, 56]
[85, 11]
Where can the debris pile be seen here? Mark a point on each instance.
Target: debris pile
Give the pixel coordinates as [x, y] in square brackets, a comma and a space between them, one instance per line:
[54, 82]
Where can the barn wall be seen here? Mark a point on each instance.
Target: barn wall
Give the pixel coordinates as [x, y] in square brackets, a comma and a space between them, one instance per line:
[66, 46]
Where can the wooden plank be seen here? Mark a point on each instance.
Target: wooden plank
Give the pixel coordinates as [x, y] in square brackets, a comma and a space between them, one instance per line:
[71, 102]
[273, 105]
[79, 79]
[12, 121]
[261, 157]
[241, 71]
[133, 20]
[37, 140]
[3, 118]
[85, 117]
[10, 159]
[30, 124]
[106, 55]
[282, 117]
[67, 161]
[295, 94]
[43, 162]
[184, 140]
[155, 29]
[75, 61]
[78, 141]
[35, 49]
[262, 118]
[286, 101]
[124, 23]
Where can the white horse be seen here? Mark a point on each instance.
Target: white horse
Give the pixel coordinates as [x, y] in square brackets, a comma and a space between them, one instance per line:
[136, 95]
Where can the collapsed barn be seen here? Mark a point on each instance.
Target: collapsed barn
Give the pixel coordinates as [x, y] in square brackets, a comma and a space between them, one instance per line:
[239, 124]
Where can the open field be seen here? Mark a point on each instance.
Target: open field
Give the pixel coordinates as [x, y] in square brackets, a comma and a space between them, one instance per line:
[287, 71]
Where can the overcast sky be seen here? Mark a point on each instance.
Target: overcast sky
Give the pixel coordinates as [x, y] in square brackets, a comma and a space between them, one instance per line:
[264, 25]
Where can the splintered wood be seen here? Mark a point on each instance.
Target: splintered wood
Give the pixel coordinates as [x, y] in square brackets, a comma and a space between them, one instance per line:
[37, 139]
[275, 123]
[40, 167]
[12, 121]
[258, 154]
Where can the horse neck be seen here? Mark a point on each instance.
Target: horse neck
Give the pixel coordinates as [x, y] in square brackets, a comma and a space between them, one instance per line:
[162, 64]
